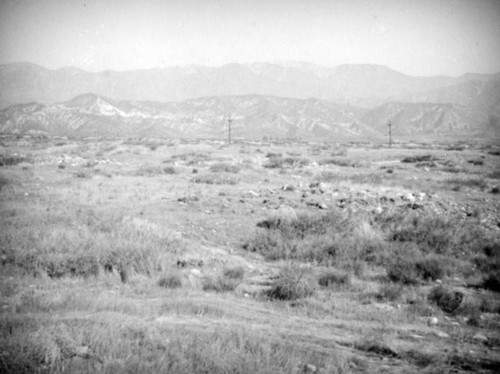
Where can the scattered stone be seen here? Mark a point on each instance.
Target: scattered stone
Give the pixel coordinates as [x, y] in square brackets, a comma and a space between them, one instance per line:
[441, 334]
[480, 337]
[252, 193]
[433, 321]
[309, 368]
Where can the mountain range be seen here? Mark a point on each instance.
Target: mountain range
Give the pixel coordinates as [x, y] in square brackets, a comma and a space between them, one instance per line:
[298, 100]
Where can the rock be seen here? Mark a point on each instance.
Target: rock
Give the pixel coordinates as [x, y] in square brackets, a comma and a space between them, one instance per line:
[322, 206]
[252, 193]
[310, 368]
[441, 334]
[378, 210]
[433, 321]
[480, 337]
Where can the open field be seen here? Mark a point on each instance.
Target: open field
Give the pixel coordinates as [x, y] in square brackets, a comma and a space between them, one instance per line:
[156, 256]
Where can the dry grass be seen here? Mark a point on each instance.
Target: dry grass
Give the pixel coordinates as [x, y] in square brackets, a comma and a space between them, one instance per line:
[90, 278]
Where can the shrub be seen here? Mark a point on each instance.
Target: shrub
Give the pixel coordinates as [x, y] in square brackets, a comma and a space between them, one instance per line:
[456, 184]
[494, 175]
[220, 284]
[169, 170]
[83, 174]
[292, 284]
[234, 273]
[218, 179]
[432, 234]
[288, 162]
[411, 271]
[334, 278]
[344, 162]
[3, 181]
[11, 160]
[492, 281]
[170, 281]
[419, 158]
[447, 300]
[403, 271]
[390, 292]
[476, 162]
[305, 238]
[225, 167]
[430, 268]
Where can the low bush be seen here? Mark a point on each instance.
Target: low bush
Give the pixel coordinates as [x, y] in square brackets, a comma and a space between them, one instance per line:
[456, 184]
[170, 281]
[343, 162]
[224, 167]
[403, 271]
[14, 159]
[169, 170]
[217, 179]
[390, 292]
[286, 162]
[220, 283]
[430, 268]
[234, 273]
[432, 234]
[148, 171]
[292, 284]
[334, 278]
[412, 271]
[494, 175]
[446, 299]
[83, 174]
[476, 162]
[492, 281]
[419, 158]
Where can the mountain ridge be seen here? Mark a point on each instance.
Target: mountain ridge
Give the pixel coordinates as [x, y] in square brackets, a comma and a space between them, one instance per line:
[254, 117]
[363, 84]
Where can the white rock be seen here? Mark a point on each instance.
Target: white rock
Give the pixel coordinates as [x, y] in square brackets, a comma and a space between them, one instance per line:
[480, 337]
[441, 334]
[433, 321]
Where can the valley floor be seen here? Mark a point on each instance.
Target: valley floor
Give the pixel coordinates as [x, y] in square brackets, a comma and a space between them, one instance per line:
[198, 257]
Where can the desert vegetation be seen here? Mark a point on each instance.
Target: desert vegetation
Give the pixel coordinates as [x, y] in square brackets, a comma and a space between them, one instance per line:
[146, 255]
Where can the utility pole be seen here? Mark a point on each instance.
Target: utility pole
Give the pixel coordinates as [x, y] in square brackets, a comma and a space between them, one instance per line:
[229, 121]
[390, 134]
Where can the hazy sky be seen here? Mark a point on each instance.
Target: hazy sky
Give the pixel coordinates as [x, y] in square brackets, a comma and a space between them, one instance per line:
[417, 37]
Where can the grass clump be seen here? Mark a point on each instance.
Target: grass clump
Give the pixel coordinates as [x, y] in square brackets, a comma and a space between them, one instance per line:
[170, 281]
[457, 184]
[237, 272]
[292, 284]
[343, 162]
[13, 159]
[220, 283]
[149, 171]
[390, 292]
[225, 282]
[418, 158]
[217, 179]
[494, 175]
[476, 162]
[412, 271]
[224, 167]
[334, 278]
[279, 162]
[431, 234]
